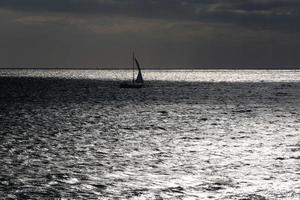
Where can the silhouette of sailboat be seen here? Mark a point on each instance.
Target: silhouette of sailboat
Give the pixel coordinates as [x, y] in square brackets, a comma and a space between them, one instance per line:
[137, 82]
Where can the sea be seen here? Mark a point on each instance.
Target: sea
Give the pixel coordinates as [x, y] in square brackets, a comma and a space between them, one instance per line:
[187, 134]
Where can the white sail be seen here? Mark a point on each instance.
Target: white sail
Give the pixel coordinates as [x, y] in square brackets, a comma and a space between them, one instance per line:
[139, 81]
[139, 78]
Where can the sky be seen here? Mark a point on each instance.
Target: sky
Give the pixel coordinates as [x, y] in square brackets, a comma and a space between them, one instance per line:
[163, 33]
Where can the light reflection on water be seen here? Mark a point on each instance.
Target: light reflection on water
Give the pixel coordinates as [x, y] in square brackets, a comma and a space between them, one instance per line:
[87, 139]
[167, 75]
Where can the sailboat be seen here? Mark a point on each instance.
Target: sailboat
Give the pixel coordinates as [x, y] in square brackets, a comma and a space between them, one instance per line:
[137, 82]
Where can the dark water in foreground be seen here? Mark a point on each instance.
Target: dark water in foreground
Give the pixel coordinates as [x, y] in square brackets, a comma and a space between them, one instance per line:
[79, 136]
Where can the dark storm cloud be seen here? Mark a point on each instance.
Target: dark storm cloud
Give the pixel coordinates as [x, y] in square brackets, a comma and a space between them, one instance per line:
[137, 8]
[267, 5]
[166, 33]
[265, 14]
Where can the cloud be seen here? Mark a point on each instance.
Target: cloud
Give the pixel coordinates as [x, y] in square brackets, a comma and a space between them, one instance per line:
[264, 14]
[167, 33]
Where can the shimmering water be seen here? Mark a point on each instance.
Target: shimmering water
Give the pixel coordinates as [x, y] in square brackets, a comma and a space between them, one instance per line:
[165, 75]
[74, 134]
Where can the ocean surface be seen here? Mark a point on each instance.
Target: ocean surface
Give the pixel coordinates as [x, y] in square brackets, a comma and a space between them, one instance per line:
[188, 134]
